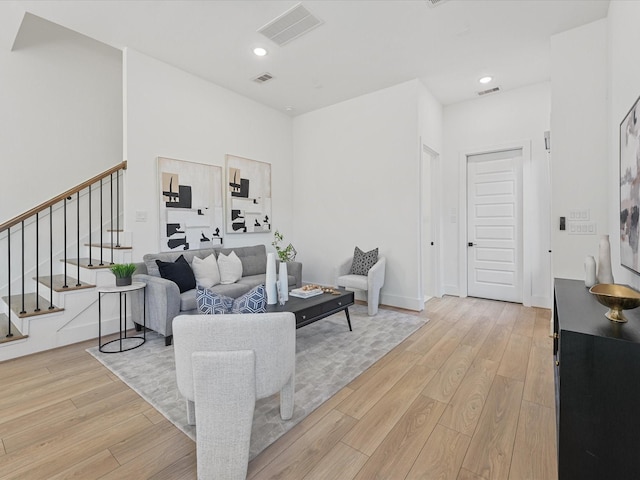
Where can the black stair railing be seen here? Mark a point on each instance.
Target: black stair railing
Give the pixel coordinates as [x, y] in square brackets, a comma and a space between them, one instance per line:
[56, 210]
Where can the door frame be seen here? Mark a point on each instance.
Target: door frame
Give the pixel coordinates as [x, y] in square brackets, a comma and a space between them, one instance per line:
[527, 228]
[428, 153]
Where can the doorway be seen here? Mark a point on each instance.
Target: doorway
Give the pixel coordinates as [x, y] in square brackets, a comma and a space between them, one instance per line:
[430, 224]
[495, 225]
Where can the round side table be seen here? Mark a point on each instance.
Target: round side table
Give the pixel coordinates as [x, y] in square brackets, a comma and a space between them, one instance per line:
[125, 342]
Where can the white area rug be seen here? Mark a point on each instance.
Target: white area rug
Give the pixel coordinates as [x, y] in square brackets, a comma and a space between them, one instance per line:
[328, 357]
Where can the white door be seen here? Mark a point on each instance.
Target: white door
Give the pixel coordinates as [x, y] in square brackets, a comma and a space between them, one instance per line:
[494, 225]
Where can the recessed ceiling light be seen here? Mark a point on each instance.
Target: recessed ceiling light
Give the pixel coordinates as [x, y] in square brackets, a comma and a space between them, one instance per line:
[486, 79]
[288, 108]
[259, 51]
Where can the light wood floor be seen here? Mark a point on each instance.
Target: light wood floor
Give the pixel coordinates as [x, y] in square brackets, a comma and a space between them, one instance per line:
[469, 396]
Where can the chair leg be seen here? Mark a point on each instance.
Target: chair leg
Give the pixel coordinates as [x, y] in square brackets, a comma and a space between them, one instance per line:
[168, 340]
[287, 394]
[225, 391]
[373, 300]
[191, 413]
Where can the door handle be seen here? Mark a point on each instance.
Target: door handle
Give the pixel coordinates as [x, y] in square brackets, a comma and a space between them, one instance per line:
[470, 244]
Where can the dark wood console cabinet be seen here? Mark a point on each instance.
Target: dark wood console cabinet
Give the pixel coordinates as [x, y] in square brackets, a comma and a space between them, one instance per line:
[597, 387]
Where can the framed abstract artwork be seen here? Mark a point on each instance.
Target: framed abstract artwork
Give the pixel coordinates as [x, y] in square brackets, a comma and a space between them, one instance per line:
[630, 188]
[248, 192]
[191, 211]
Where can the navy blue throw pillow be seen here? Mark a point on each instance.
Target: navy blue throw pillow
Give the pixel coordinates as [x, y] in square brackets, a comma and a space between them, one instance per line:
[179, 272]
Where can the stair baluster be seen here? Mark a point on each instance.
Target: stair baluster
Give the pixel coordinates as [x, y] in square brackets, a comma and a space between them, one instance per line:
[51, 307]
[118, 209]
[37, 262]
[78, 236]
[64, 248]
[90, 257]
[22, 311]
[101, 225]
[9, 334]
[111, 221]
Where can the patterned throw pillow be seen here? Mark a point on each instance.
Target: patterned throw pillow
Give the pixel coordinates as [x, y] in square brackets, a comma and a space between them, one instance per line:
[212, 303]
[254, 301]
[362, 262]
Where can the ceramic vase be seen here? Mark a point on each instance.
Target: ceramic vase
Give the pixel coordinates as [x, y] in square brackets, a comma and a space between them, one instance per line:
[283, 281]
[270, 279]
[605, 275]
[590, 271]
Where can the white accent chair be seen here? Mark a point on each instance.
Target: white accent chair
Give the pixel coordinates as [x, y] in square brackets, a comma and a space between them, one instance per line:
[371, 283]
[224, 363]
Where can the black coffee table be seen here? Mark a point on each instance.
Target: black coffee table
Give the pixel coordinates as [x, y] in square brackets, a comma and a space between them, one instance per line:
[309, 310]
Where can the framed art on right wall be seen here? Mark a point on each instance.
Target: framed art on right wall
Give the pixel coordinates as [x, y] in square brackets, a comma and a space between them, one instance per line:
[630, 188]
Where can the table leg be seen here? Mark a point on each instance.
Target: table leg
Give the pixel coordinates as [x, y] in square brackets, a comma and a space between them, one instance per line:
[99, 322]
[346, 311]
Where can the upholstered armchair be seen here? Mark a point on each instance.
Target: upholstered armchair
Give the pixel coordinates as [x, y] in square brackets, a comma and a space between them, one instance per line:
[224, 363]
[371, 283]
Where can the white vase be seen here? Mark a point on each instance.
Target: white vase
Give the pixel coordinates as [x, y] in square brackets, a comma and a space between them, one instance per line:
[270, 279]
[283, 281]
[605, 275]
[590, 271]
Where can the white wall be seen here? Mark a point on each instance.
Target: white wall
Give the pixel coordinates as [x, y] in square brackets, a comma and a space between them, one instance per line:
[356, 182]
[579, 158]
[520, 115]
[171, 113]
[624, 90]
[60, 98]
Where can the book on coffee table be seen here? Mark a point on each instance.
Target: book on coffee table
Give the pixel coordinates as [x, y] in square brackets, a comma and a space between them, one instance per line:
[300, 293]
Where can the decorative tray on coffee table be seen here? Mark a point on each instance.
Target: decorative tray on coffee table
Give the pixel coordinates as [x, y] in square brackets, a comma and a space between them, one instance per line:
[309, 291]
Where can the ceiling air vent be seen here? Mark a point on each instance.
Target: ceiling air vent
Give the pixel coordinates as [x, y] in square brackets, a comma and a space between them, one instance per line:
[491, 90]
[263, 77]
[290, 25]
[435, 3]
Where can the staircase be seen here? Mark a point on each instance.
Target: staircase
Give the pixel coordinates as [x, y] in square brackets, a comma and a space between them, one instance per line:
[51, 260]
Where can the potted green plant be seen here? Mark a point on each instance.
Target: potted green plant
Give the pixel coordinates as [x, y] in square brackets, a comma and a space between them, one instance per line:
[123, 272]
[286, 254]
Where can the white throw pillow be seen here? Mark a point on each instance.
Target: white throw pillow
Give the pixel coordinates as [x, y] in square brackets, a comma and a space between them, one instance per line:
[230, 268]
[206, 271]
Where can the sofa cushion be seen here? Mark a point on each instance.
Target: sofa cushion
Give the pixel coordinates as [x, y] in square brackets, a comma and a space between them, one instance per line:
[253, 258]
[363, 261]
[188, 301]
[230, 268]
[210, 302]
[178, 272]
[206, 271]
[254, 280]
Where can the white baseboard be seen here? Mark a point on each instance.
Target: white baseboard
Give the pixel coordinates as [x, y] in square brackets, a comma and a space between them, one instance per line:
[452, 290]
[541, 302]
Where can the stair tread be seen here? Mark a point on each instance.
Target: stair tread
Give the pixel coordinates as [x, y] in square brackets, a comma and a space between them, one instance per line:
[30, 305]
[4, 330]
[58, 283]
[108, 245]
[84, 262]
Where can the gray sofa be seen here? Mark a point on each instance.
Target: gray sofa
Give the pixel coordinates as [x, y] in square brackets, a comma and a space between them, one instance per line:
[164, 300]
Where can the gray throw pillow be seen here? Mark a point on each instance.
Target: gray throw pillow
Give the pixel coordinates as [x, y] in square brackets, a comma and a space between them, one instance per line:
[362, 262]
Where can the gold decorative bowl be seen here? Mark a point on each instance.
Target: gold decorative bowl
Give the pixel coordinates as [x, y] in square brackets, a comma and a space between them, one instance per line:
[617, 298]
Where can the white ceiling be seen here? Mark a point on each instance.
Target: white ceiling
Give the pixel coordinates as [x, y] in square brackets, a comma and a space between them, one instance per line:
[362, 46]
